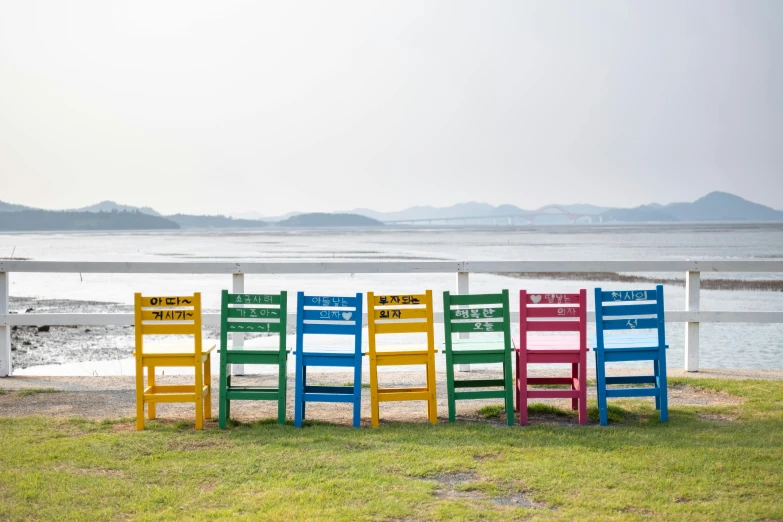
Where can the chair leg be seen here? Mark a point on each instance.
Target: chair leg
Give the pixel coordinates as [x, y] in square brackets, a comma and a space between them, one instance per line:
[374, 403]
[208, 381]
[600, 375]
[432, 401]
[656, 372]
[357, 393]
[282, 384]
[583, 391]
[304, 385]
[151, 410]
[299, 393]
[139, 394]
[574, 380]
[516, 381]
[222, 393]
[509, 390]
[664, 388]
[450, 388]
[199, 399]
[522, 390]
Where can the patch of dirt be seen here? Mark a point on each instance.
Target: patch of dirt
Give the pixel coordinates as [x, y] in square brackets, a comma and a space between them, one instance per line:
[689, 396]
[449, 489]
[717, 417]
[199, 444]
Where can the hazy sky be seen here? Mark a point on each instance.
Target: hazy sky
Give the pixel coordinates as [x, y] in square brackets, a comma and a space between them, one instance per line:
[220, 107]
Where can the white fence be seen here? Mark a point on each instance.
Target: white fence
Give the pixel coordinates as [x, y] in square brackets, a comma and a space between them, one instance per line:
[692, 315]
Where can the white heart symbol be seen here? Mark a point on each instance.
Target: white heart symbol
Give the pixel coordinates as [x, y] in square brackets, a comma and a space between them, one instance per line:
[535, 298]
[347, 315]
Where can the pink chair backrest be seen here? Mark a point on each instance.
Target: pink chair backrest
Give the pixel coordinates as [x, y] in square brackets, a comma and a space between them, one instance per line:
[553, 313]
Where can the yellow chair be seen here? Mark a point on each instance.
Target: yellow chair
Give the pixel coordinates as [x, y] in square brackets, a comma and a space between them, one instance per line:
[171, 316]
[395, 314]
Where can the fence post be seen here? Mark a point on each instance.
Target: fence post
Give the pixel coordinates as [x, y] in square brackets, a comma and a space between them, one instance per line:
[5, 330]
[463, 285]
[692, 286]
[238, 338]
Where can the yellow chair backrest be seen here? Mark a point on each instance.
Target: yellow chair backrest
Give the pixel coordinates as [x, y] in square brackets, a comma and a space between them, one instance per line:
[167, 315]
[391, 314]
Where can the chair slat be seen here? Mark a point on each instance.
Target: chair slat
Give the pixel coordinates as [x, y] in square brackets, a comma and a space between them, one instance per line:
[629, 295]
[253, 313]
[319, 301]
[560, 312]
[391, 327]
[476, 299]
[183, 300]
[553, 326]
[254, 299]
[478, 327]
[328, 329]
[331, 315]
[246, 326]
[630, 324]
[401, 300]
[558, 299]
[400, 313]
[630, 309]
[481, 314]
[168, 314]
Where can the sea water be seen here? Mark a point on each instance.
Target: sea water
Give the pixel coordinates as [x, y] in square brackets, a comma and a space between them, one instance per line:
[724, 345]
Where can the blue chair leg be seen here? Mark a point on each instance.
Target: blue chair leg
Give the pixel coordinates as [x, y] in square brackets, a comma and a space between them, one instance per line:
[357, 393]
[299, 394]
[600, 377]
[664, 387]
[657, 372]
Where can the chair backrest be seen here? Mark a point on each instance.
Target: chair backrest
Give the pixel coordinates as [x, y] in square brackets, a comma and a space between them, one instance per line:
[553, 313]
[624, 311]
[395, 314]
[477, 313]
[167, 315]
[324, 315]
[248, 313]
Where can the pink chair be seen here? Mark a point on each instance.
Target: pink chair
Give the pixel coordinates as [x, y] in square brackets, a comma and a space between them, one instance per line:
[540, 314]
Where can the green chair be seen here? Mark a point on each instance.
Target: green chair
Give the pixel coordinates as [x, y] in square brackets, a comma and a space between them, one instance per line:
[248, 313]
[484, 315]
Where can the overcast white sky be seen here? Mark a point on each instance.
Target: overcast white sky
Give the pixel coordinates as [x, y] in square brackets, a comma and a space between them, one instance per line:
[220, 107]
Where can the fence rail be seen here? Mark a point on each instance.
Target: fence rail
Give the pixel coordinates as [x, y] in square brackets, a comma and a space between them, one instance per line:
[692, 315]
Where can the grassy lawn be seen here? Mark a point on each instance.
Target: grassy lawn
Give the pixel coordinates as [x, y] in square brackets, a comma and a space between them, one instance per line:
[707, 463]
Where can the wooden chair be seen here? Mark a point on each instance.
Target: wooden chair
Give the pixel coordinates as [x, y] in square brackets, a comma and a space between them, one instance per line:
[318, 315]
[544, 313]
[630, 327]
[401, 314]
[478, 314]
[178, 315]
[247, 313]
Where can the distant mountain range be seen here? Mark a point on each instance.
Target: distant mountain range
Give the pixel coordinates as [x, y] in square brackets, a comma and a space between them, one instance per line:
[716, 206]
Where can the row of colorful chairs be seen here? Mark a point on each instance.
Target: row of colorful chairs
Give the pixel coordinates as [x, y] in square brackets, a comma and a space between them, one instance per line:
[553, 329]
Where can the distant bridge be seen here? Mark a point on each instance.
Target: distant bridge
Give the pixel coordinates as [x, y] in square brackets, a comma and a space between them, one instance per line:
[501, 219]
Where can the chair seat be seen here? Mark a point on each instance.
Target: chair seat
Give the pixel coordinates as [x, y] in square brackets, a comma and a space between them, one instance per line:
[175, 350]
[550, 343]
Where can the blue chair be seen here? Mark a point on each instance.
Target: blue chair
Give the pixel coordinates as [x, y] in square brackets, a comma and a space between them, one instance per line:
[630, 327]
[328, 316]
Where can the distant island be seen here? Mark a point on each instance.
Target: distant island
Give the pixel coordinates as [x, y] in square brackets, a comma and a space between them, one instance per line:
[108, 215]
[320, 219]
[49, 220]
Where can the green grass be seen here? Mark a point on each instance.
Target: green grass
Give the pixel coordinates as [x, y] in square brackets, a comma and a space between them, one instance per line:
[691, 468]
[364, 384]
[33, 391]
